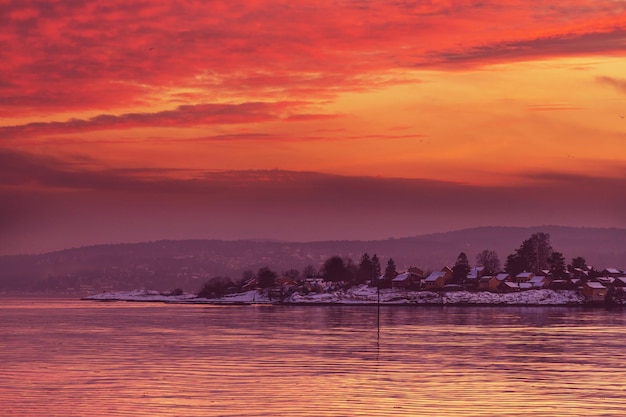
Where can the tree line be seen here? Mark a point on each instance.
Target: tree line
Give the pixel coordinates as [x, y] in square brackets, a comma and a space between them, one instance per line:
[535, 254]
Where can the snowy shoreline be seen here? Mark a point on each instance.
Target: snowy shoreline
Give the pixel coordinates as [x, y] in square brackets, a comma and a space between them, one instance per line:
[361, 295]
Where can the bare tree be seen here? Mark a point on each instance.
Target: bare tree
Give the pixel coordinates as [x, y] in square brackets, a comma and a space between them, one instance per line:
[489, 260]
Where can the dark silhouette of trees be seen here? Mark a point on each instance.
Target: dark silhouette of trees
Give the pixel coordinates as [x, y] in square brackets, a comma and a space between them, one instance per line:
[215, 287]
[384, 281]
[366, 271]
[531, 256]
[266, 278]
[292, 274]
[390, 270]
[514, 264]
[489, 260]
[557, 265]
[376, 266]
[176, 291]
[352, 270]
[579, 262]
[335, 269]
[309, 271]
[460, 269]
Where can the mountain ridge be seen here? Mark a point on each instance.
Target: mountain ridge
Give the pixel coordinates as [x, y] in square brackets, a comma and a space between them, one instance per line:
[164, 264]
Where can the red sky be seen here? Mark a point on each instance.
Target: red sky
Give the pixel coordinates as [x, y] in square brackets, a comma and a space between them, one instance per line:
[125, 121]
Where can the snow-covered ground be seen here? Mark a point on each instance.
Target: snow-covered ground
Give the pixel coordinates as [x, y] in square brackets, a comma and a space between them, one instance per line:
[361, 295]
[138, 295]
[247, 297]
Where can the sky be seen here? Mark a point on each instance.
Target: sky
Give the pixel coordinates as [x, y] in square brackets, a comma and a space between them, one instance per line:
[128, 121]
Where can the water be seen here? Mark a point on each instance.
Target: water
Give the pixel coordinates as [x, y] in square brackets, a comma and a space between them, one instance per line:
[79, 358]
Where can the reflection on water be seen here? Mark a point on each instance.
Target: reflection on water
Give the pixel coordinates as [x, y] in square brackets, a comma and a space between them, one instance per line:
[73, 358]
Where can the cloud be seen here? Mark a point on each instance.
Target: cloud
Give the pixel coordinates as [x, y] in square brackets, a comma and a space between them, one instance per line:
[182, 116]
[52, 203]
[618, 83]
[552, 107]
[62, 56]
[542, 47]
[569, 180]
[19, 169]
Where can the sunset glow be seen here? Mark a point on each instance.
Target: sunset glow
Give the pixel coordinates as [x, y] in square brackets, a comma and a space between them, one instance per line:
[143, 120]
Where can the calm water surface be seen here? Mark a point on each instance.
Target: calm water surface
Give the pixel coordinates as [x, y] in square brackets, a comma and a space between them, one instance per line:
[82, 358]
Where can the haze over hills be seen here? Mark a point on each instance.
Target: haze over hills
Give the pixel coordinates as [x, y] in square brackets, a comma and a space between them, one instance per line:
[186, 264]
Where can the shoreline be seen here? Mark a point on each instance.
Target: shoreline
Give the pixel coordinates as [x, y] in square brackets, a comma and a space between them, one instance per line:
[366, 296]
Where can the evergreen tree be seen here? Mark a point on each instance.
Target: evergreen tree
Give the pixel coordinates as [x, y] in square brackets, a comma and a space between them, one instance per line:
[579, 262]
[513, 264]
[376, 266]
[390, 271]
[460, 269]
[557, 265]
[366, 270]
[266, 277]
[335, 270]
[215, 287]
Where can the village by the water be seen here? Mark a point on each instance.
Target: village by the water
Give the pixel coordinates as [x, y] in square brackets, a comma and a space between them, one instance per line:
[535, 274]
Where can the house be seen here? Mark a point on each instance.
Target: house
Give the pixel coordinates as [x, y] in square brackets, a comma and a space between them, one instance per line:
[563, 284]
[483, 282]
[580, 273]
[472, 279]
[494, 282]
[611, 272]
[538, 282]
[606, 281]
[594, 291]
[524, 276]
[508, 286]
[619, 282]
[476, 272]
[439, 279]
[251, 284]
[406, 280]
[417, 271]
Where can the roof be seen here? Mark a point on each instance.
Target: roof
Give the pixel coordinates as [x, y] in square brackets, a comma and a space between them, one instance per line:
[524, 275]
[435, 275]
[475, 272]
[402, 277]
[502, 276]
[596, 285]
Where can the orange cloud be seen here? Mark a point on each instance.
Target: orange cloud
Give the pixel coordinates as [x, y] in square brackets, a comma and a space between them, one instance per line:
[618, 83]
[182, 116]
[98, 56]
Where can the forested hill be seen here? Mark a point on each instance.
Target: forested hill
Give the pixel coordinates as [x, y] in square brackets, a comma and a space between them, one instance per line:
[188, 263]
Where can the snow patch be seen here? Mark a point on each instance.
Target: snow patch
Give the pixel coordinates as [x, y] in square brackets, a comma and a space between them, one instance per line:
[360, 295]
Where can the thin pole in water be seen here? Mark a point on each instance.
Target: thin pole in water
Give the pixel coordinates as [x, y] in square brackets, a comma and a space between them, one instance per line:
[378, 310]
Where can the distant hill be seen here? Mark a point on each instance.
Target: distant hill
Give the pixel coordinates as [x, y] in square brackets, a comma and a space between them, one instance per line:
[187, 264]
